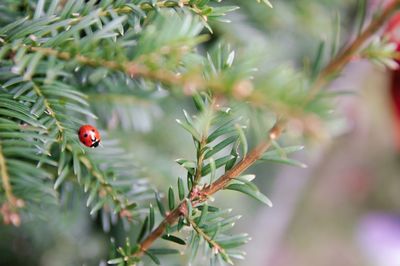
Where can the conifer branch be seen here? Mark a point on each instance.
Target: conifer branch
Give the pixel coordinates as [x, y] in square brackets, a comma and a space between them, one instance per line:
[201, 152]
[146, 7]
[170, 219]
[255, 154]
[5, 178]
[324, 77]
[220, 183]
[84, 60]
[89, 166]
[49, 108]
[190, 82]
[337, 64]
[131, 68]
[216, 247]
[200, 159]
[106, 188]
[9, 208]
[146, 66]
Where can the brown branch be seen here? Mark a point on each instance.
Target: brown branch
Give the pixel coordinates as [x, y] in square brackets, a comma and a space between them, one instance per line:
[200, 159]
[190, 81]
[49, 108]
[5, 179]
[219, 184]
[79, 58]
[106, 189]
[9, 208]
[171, 218]
[216, 247]
[201, 152]
[144, 6]
[325, 75]
[345, 56]
[131, 68]
[244, 164]
[205, 236]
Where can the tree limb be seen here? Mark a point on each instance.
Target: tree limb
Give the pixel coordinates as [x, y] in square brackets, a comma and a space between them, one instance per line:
[323, 78]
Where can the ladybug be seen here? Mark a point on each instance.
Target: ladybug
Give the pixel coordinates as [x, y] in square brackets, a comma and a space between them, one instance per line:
[89, 136]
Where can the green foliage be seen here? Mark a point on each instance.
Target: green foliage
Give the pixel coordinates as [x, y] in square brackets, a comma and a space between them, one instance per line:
[111, 64]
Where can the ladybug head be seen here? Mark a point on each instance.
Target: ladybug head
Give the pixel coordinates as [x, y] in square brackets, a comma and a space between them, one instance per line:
[95, 143]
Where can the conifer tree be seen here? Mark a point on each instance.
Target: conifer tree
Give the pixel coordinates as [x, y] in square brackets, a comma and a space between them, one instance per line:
[65, 63]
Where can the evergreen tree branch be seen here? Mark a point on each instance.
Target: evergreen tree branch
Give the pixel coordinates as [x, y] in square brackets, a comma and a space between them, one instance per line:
[345, 56]
[89, 166]
[324, 77]
[203, 194]
[49, 108]
[255, 154]
[146, 7]
[5, 178]
[201, 151]
[131, 68]
[200, 159]
[106, 188]
[84, 60]
[216, 247]
[190, 82]
[9, 208]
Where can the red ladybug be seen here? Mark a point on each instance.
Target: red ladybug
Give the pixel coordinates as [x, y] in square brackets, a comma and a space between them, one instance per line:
[89, 136]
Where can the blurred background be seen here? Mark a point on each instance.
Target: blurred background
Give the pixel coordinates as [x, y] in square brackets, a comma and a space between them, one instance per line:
[344, 209]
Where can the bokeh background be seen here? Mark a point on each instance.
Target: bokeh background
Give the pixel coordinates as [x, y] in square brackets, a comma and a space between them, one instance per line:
[341, 210]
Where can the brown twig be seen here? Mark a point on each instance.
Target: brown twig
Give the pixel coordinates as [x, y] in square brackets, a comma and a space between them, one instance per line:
[5, 179]
[49, 108]
[190, 82]
[244, 164]
[325, 76]
[344, 57]
[171, 218]
[216, 247]
[131, 68]
[144, 6]
[219, 184]
[9, 209]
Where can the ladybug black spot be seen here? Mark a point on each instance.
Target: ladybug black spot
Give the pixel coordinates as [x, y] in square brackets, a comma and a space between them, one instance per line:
[93, 130]
[85, 135]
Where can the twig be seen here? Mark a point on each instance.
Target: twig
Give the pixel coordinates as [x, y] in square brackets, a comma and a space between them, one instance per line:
[344, 57]
[200, 149]
[204, 235]
[171, 218]
[105, 186]
[131, 68]
[219, 184]
[217, 248]
[190, 81]
[244, 164]
[5, 178]
[49, 109]
[9, 209]
[144, 6]
[200, 159]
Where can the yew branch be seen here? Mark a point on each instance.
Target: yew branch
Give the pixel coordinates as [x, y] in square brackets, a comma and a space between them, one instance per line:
[323, 78]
